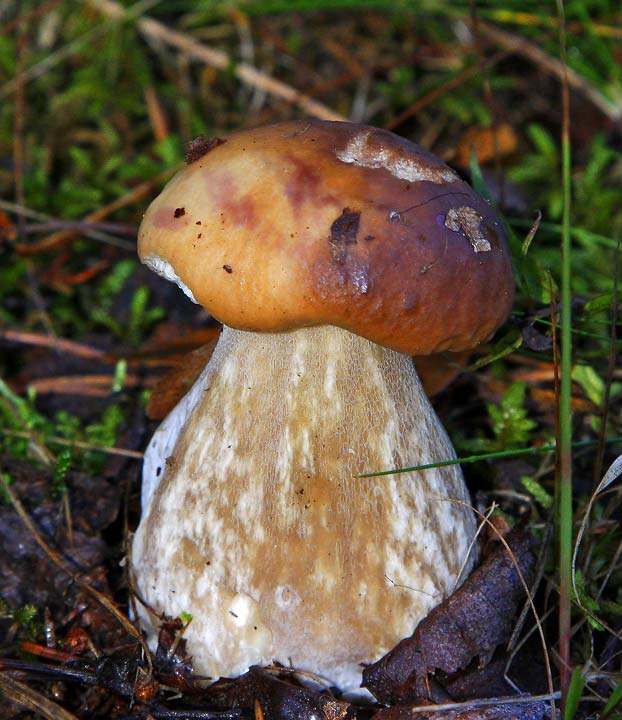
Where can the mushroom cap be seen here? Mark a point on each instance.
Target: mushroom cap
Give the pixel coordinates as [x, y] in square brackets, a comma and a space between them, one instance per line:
[310, 223]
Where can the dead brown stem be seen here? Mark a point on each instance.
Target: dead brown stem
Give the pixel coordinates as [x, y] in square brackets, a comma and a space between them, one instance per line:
[20, 694]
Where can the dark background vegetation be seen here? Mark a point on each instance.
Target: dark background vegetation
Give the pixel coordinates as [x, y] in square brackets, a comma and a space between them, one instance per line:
[98, 100]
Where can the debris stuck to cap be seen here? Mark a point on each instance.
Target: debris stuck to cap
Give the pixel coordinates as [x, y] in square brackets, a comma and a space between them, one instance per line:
[469, 221]
[368, 148]
[200, 146]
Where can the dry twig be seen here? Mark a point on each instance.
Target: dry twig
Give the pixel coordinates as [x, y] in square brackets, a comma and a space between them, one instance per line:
[134, 195]
[157, 32]
[554, 66]
[59, 344]
[20, 694]
[122, 452]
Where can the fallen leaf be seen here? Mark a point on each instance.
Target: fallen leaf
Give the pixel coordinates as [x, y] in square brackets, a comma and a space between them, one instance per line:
[171, 657]
[437, 371]
[7, 228]
[279, 699]
[498, 711]
[469, 624]
[536, 340]
[170, 389]
[487, 143]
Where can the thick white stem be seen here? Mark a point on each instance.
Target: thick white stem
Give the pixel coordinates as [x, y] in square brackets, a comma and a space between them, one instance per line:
[255, 522]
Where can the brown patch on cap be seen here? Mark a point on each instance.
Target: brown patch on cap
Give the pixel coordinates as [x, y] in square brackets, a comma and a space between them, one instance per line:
[199, 147]
[179, 212]
[343, 232]
[303, 184]
[226, 191]
[164, 219]
[241, 212]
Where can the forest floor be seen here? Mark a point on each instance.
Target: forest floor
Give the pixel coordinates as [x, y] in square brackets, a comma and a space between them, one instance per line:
[98, 102]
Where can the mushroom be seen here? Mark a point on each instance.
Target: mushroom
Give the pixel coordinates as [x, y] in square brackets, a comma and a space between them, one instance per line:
[331, 252]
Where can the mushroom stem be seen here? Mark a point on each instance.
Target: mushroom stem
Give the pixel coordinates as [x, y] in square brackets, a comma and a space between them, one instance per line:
[255, 522]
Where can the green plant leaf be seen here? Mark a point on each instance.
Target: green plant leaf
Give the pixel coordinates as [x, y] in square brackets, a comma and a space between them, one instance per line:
[613, 703]
[591, 383]
[575, 691]
[535, 489]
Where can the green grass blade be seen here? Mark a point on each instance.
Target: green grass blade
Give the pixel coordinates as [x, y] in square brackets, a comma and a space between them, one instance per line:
[564, 477]
[613, 703]
[575, 690]
[516, 452]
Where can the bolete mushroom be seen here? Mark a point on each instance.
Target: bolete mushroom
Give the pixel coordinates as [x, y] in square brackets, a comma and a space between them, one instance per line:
[331, 252]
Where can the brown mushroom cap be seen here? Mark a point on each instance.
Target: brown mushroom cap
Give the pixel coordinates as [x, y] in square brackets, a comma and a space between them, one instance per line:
[309, 223]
